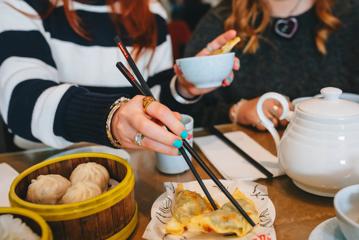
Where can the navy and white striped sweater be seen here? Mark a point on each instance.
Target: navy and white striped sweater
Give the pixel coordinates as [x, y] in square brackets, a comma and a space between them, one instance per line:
[56, 87]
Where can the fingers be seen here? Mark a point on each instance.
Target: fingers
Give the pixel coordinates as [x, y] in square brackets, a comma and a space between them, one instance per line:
[178, 116]
[152, 130]
[260, 127]
[159, 147]
[126, 136]
[272, 111]
[177, 70]
[275, 111]
[218, 42]
[167, 117]
[228, 80]
[236, 64]
[150, 144]
[181, 79]
[283, 123]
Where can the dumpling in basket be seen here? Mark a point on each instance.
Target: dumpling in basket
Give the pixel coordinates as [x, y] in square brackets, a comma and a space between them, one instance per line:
[187, 205]
[91, 172]
[81, 191]
[227, 219]
[47, 189]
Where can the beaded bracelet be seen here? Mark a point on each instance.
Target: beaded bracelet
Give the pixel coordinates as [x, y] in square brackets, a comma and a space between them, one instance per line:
[114, 107]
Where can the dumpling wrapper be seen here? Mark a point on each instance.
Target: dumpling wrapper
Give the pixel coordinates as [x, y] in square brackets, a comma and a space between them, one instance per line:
[91, 172]
[81, 191]
[227, 219]
[47, 189]
[187, 205]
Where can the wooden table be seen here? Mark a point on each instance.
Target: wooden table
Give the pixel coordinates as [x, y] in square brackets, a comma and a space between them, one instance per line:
[297, 212]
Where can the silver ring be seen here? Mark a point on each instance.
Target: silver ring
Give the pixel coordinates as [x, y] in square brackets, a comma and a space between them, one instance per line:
[138, 139]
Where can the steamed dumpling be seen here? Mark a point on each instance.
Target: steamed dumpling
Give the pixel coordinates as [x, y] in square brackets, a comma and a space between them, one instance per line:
[91, 172]
[81, 191]
[47, 189]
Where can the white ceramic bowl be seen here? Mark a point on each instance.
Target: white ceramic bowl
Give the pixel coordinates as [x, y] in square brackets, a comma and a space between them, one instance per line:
[206, 71]
[346, 203]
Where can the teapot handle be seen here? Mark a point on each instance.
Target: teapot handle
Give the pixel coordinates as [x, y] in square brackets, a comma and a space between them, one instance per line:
[268, 124]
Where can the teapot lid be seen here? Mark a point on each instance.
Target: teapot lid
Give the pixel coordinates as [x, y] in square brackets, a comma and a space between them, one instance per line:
[329, 105]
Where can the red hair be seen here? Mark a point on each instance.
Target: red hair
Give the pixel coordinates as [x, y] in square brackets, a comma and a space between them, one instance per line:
[245, 14]
[135, 15]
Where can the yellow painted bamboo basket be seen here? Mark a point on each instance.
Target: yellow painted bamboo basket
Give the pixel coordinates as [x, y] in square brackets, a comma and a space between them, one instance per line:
[111, 215]
[31, 219]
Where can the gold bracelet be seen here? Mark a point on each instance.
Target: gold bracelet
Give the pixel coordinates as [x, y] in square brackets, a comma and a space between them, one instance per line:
[114, 107]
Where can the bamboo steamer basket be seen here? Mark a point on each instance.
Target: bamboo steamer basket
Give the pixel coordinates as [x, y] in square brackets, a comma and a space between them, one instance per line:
[111, 215]
[31, 219]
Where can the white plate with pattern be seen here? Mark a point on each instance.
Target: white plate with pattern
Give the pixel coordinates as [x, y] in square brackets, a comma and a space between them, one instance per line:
[161, 210]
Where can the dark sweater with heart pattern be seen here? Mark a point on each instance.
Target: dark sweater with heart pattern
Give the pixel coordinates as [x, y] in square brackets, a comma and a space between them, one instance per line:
[293, 67]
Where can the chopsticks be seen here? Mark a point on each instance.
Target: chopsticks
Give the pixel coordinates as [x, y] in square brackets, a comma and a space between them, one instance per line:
[139, 88]
[248, 158]
[144, 89]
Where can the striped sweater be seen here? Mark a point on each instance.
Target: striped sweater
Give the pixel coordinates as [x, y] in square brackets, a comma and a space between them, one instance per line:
[55, 87]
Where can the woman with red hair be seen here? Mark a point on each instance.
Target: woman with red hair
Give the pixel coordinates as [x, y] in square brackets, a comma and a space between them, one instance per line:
[59, 83]
[294, 47]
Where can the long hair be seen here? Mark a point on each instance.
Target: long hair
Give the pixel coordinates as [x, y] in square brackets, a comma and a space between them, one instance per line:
[135, 16]
[251, 17]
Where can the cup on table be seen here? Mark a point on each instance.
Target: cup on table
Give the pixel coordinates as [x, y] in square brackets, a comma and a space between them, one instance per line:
[176, 164]
[346, 204]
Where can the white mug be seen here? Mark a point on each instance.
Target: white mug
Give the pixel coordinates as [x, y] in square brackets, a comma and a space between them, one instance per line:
[176, 164]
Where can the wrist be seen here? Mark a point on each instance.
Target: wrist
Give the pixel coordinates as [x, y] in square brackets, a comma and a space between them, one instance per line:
[183, 92]
[179, 95]
[234, 111]
[110, 120]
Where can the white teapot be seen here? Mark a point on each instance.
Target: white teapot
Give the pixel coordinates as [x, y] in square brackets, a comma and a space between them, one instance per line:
[319, 150]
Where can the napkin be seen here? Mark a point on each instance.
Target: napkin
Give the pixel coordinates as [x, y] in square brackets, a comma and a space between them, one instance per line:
[7, 175]
[232, 165]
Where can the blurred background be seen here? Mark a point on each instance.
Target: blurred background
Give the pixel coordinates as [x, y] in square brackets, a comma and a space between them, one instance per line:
[184, 15]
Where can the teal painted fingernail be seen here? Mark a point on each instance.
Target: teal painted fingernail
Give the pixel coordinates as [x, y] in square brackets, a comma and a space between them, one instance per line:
[177, 143]
[184, 134]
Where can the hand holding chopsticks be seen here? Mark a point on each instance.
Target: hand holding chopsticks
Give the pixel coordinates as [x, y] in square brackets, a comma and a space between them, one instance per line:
[143, 88]
[132, 128]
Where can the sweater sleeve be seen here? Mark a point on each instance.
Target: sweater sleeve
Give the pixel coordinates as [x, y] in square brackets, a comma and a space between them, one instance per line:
[213, 108]
[33, 102]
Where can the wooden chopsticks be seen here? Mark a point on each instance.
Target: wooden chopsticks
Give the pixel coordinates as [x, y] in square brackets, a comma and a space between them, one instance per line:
[248, 158]
[144, 89]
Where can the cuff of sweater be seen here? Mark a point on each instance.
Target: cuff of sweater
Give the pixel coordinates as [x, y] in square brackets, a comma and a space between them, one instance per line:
[81, 116]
